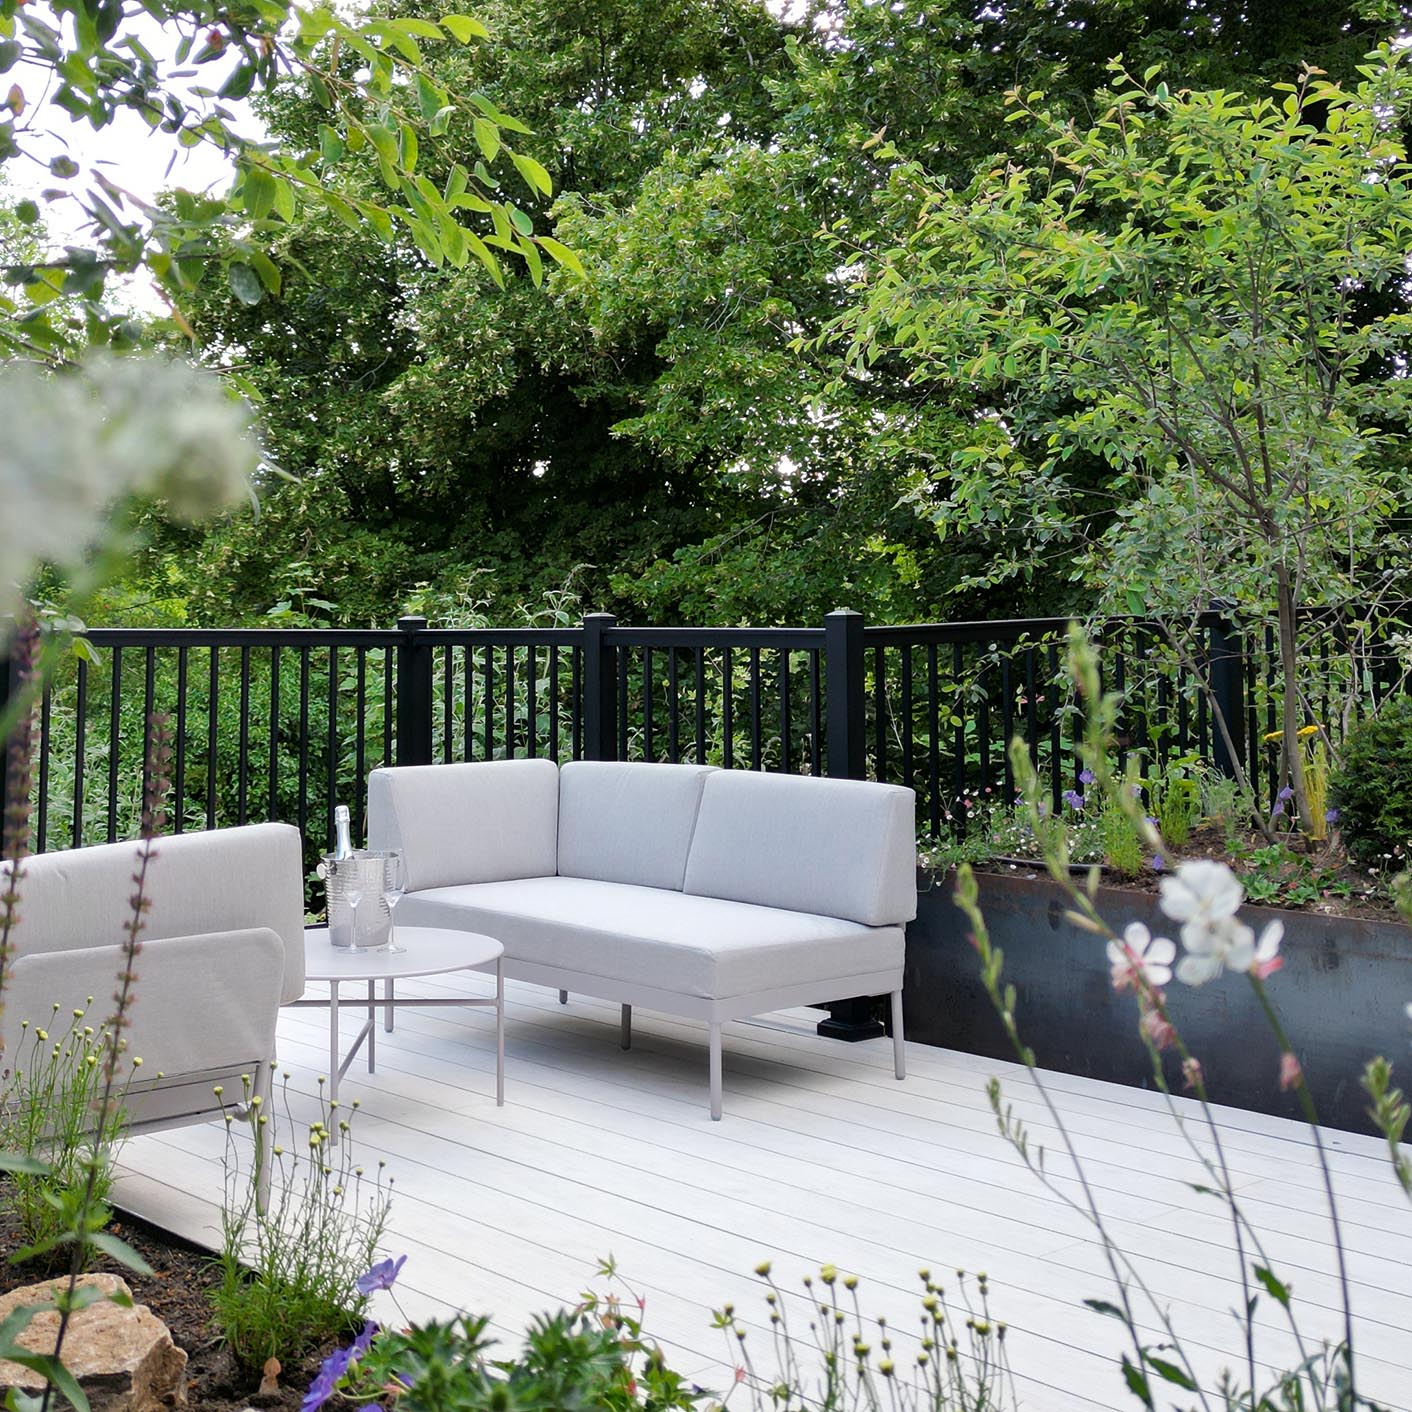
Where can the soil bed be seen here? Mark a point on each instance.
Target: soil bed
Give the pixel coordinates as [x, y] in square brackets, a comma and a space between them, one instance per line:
[178, 1292]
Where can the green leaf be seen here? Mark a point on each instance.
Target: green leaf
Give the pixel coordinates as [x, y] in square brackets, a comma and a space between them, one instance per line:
[241, 81]
[487, 138]
[430, 99]
[535, 175]
[562, 255]
[424, 29]
[20, 1162]
[1170, 1372]
[1102, 1306]
[531, 256]
[244, 283]
[1274, 1287]
[407, 148]
[27, 212]
[520, 220]
[267, 270]
[258, 191]
[463, 28]
[120, 1251]
[331, 147]
[50, 1368]
[1137, 1382]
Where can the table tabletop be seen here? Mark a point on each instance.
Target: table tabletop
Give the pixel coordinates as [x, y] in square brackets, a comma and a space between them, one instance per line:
[424, 951]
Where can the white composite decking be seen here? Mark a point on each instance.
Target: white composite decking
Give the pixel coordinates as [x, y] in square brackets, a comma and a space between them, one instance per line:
[822, 1157]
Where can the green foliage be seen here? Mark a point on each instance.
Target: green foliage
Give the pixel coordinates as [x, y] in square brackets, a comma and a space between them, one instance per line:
[1371, 787]
[50, 1112]
[1122, 848]
[289, 1273]
[383, 111]
[1174, 797]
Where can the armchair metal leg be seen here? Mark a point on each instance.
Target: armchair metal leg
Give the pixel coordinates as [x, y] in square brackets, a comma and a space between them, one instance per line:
[627, 1027]
[899, 1049]
[563, 997]
[715, 1073]
[388, 998]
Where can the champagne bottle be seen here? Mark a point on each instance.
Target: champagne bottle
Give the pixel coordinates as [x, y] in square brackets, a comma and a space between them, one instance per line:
[343, 841]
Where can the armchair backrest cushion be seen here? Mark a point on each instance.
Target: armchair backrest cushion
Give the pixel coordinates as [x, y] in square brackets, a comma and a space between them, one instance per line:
[473, 823]
[841, 848]
[220, 880]
[628, 823]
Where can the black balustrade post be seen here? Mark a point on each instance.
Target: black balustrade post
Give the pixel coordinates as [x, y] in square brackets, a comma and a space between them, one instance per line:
[9, 687]
[414, 694]
[1225, 649]
[600, 689]
[845, 724]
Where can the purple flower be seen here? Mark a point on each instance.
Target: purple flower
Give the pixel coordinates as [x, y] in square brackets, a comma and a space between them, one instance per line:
[1157, 863]
[1278, 809]
[1331, 816]
[1074, 799]
[1285, 794]
[1085, 776]
[326, 1381]
[383, 1275]
[364, 1341]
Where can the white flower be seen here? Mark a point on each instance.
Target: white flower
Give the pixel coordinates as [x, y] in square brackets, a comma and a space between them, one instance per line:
[1140, 957]
[1213, 945]
[1201, 892]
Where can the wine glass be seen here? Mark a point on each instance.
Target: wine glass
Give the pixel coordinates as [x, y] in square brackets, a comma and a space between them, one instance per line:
[394, 884]
[353, 892]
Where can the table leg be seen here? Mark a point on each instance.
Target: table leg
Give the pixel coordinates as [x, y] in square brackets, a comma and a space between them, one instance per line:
[372, 1025]
[387, 1005]
[500, 1033]
[333, 1060]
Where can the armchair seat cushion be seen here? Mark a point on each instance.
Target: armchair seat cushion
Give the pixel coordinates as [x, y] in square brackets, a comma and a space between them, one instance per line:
[709, 947]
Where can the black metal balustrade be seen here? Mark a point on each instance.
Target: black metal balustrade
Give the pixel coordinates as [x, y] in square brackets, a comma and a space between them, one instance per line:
[283, 724]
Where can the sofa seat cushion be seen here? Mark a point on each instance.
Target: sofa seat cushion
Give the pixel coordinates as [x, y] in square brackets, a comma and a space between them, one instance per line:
[654, 937]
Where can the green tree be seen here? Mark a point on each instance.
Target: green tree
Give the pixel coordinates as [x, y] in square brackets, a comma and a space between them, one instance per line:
[1200, 275]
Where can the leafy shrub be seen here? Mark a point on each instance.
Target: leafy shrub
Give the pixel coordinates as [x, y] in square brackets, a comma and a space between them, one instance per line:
[49, 1106]
[290, 1274]
[1372, 787]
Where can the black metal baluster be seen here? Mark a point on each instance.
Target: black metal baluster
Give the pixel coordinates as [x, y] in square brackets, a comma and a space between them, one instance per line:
[488, 699]
[149, 706]
[576, 703]
[907, 760]
[468, 701]
[388, 712]
[756, 753]
[114, 743]
[1272, 724]
[673, 709]
[1007, 723]
[983, 733]
[532, 701]
[1031, 708]
[933, 742]
[624, 658]
[242, 806]
[786, 744]
[80, 750]
[648, 733]
[815, 716]
[727, 709]
[958, 740]
[45, 727]
[303, 814]
[510, 711]
[699, 668]
[554, 703]
[879, 713]
[360, 740]
[1120, 685]
[272, 804]
[212, 732]
[1056, 732]
[448, 703]
[331, 770]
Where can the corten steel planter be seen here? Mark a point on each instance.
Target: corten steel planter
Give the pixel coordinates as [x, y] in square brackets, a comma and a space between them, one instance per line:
[1342, 996]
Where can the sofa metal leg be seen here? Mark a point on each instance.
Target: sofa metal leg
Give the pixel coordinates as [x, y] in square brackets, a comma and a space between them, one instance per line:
[715, 1073]
[563, 997]
[899, 1050]
[627, 1027]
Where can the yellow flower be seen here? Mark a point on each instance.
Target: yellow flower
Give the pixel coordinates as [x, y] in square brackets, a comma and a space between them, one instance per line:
[1305, 732]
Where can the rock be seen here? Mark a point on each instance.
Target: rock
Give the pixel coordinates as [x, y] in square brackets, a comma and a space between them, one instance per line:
[269, 1381]
[123, 1358]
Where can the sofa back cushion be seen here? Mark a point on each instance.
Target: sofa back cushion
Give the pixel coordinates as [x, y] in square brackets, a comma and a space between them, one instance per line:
[221, 880]
[628, 823]
[472, 823]
[841, 848]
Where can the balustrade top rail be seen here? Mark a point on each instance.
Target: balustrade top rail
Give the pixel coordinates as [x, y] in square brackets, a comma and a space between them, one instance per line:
[280, 723]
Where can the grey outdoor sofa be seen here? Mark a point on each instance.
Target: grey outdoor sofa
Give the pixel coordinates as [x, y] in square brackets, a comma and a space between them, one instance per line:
[714, 894]
[222, 948]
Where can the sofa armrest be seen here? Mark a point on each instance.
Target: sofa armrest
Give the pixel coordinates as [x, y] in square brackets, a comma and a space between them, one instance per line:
[199, 1002]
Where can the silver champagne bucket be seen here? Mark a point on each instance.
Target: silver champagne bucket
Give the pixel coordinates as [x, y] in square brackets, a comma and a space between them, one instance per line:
[374, 916]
